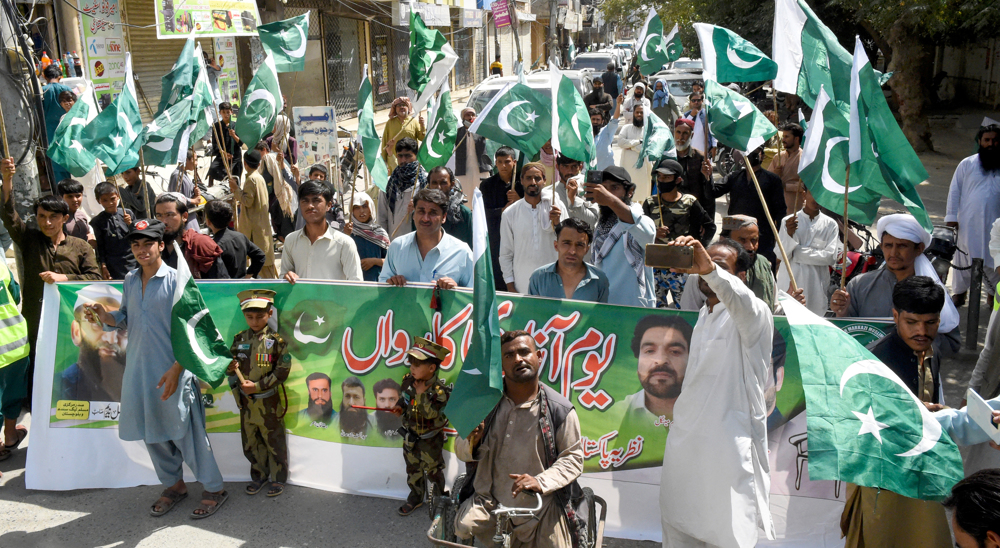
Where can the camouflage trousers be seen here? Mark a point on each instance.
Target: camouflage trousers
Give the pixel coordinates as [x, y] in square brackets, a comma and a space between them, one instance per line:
[264, 439]
[420, 454]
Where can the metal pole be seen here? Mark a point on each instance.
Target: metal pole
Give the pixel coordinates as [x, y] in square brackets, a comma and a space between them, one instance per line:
[975, 294]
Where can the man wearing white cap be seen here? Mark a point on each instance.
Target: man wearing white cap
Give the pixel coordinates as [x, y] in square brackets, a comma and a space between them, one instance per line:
[98, 371]
[903, 241]
[637, 98]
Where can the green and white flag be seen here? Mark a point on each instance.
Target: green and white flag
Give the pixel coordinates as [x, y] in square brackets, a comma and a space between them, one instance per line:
[734, 120]
[204, 107]
[808, 54]
[864, 424]
[165, 140]
[655, 48]
[802, 121]
[480, 382]
[109, 136]
[197, 343]
[877, 138]
[728, 57]
[572, 132]
[437, 147]
[261, 104]
[179, 82]
[286, 42]
[657, 141]
[66, 148]
[431, 61]
[518, 117]
[371, 143]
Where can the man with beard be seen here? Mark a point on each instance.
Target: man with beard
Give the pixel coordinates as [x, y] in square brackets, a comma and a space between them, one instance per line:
[661, 345]
[786, 165]
[354, 423]
[254, 219]
[203, 255]
[620, 239]
[458, 218]
[386, 392]
[635, 98]
[629, 139]
[499, 191]
[604, 134]
[744, 200]
[812, 243]
[472, 164]
[97, 373]
[973, 205]
[230, 145]
[408, 177]
[319, 412]
[526, 234]
[715, 459]
[697, 170]
[568, 191]
[599, 99]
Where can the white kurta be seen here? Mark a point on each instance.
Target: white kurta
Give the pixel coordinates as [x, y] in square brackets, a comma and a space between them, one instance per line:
[629, 139]
[716, 475]
[813, 249]
[974, 203]
[526, 239]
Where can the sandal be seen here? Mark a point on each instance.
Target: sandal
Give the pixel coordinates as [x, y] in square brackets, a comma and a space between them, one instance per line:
[8, 450]
[409, 507]
[276, 489]
[217, 498]
[173, 497]
[253, 487]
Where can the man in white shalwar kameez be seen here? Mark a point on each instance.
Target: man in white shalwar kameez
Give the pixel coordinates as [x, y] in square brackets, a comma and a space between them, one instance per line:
[973, 205]
[629, 139]
[526, 230]
[716, 476]
[812, 243]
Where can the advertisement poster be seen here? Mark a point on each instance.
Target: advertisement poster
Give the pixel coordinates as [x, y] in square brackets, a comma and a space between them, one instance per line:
[347, 343]
[177, 18]
[316, 131]
[229, 78]
[103, 47]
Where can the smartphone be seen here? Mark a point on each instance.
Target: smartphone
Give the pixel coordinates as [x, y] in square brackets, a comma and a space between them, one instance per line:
[669, 256]
[594, 177]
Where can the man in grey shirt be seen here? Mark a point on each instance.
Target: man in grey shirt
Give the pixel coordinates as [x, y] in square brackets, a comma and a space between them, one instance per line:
[568, 184]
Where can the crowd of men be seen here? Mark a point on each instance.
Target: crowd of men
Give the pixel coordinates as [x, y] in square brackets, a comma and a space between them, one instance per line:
[554, 233]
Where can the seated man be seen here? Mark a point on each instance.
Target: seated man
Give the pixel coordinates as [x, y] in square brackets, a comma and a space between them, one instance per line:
[512, 449]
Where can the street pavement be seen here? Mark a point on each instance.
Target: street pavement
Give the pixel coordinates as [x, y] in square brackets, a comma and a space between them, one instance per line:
[307, 517]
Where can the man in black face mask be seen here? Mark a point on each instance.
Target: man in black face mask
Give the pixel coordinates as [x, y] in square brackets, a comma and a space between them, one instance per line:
[973, 205]
[675, 214]
[744, 200]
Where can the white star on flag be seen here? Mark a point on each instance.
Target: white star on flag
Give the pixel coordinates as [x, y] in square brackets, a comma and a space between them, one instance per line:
[532, 116]
[118, 140]
[869, 425]
[261, 121]
[154, 127]
[661, 47]
[440, 137]
[167, 114]
[76, 146]
[319, 320]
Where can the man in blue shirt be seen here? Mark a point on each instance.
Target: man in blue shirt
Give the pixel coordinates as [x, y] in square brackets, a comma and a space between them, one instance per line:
[606, 135]
[428, 254]
[570, 277]
[171, 422]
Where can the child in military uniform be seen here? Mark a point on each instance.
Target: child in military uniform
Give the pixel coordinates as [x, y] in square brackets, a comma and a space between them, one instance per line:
[423, 397]
[260, 365]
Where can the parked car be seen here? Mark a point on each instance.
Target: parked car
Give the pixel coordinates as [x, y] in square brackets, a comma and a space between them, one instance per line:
[687, 65]
[538, 80]
[596, 61]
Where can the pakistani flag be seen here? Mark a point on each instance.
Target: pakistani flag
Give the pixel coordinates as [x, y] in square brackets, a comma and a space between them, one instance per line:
[802, 120]
[572, 132]
[727, 57]
[518, 117]
[198, 346]
[261, 104]
[164, 142]
[439, 143]
[66, 148]
[864, 425]
[875, 137]
[371, 143]
[657, 141]
[655, 48]
[734, 120]
[109, 136]
[431, 60]
[286, 42]
[204, 100]
[808, 54]
[479, 384]
[179, 82]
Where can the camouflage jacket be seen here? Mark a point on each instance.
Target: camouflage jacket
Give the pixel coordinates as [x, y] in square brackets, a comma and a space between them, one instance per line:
[424, 413]
[261, 357]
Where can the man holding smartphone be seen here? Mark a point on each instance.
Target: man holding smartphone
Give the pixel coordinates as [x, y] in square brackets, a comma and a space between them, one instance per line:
[620, 239]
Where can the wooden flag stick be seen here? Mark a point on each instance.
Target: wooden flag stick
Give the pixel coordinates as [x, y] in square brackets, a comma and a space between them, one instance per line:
[221, 143]
[847, 229]
[770, 221]
[3, 135]
[145, 188]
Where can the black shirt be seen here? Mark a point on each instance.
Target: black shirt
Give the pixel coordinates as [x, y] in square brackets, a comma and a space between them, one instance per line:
[601, 100]
[494, 192]
[744, 200]
[236, 247]
[894, 353]
[113, 248]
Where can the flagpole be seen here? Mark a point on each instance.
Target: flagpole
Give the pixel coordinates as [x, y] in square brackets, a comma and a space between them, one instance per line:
[3, 134]
[220, 139]
[847, 229]
[798, 188]
[145, 187]
[460, 141]
[770, 221]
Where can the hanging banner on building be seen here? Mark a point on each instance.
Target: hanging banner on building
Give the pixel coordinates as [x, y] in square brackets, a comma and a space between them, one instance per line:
[177, 18]
[432, 15]
[316, 131]
[501, 14]
[229, 77]
[103, 47]
[348, 344]
[472, 18]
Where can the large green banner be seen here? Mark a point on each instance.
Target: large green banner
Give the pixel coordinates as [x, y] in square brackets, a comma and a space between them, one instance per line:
[622, 367]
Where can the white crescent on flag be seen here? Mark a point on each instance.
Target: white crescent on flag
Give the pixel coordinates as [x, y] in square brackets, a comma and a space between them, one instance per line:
[505, 124]
[737, 61]
[301, 50]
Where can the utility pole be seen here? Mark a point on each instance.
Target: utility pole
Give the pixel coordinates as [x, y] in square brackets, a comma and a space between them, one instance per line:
[554, 55]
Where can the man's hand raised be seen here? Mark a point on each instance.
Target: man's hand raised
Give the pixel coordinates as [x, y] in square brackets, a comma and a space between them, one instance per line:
[702, 263]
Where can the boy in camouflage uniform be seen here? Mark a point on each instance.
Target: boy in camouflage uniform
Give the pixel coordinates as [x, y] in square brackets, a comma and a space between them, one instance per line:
[423, 397]
[675, 214]
[260, 365]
